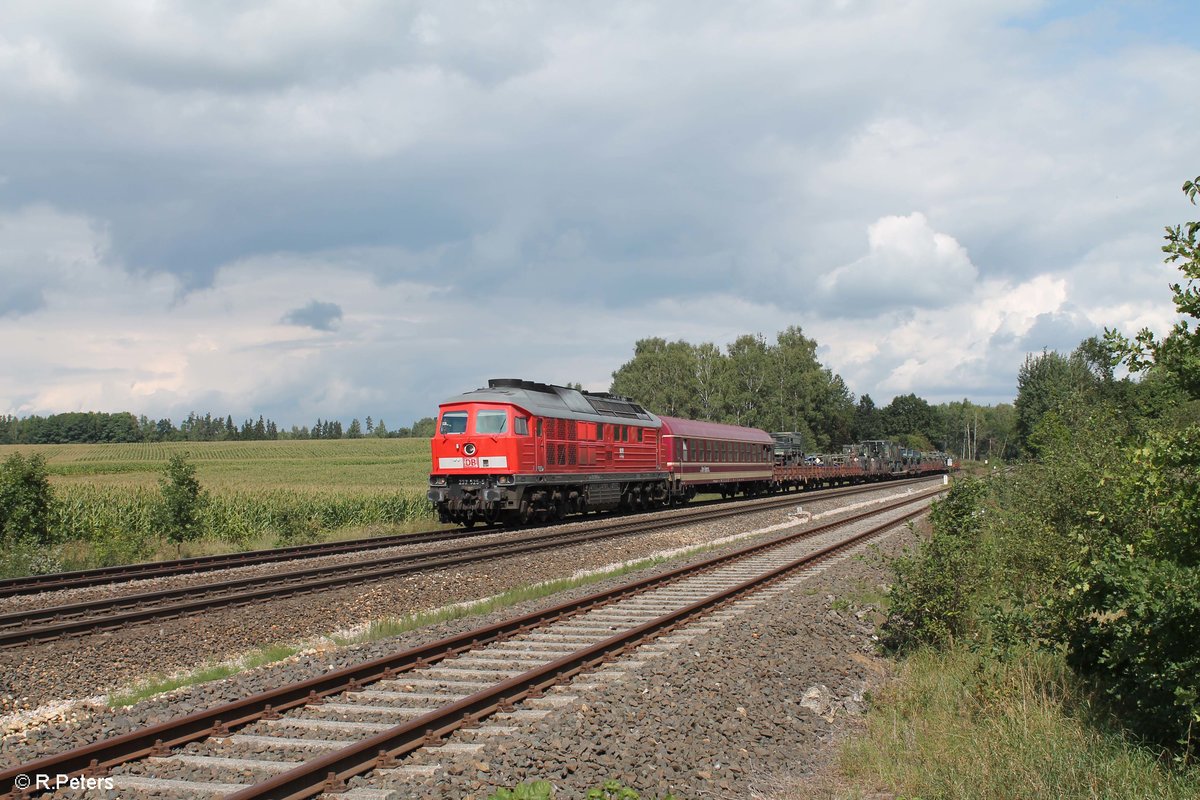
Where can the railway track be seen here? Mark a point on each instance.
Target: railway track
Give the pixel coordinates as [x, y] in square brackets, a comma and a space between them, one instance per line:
[310, 737]
[12, 587]
[39, 625]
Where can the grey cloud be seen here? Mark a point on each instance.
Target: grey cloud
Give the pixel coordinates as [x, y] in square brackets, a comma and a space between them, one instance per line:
[16, 300]
[1060, 330]
[316, 315]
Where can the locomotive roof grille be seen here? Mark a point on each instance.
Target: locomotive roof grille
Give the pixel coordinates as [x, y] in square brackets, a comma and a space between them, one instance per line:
[615, 407]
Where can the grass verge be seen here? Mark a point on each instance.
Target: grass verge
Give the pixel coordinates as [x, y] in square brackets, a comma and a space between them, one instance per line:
[958, 724]
[212, 672]
[394, 626]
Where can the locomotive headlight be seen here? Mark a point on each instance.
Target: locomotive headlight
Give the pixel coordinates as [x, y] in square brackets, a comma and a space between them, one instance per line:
[469, 449]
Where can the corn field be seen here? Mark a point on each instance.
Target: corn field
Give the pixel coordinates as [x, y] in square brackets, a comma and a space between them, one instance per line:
[86, 513]
[256, 494]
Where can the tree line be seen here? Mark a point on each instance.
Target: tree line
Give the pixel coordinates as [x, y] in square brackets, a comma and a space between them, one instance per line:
[96, 427]
[781, 386]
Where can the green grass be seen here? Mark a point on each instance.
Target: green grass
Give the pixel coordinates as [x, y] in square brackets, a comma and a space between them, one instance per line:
[963, 725]
[859, 595]
[206, 674]
[394, 626]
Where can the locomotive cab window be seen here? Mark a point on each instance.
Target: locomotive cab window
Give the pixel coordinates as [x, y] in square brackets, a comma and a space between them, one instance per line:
[521, 426]
[599, 431]
[454, 422]
[491, 421]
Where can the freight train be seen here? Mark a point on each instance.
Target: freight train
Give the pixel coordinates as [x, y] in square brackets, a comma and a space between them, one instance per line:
[517, 452]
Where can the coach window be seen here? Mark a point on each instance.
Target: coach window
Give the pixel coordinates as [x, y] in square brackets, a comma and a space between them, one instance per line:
[521, 426]
[454, 422]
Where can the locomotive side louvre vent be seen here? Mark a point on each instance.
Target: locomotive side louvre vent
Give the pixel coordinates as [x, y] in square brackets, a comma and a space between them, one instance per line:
[572, 428]
[562, 454]
[572, 454]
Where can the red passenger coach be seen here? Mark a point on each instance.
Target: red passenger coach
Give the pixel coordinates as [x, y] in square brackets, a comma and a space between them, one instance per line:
[713, 457]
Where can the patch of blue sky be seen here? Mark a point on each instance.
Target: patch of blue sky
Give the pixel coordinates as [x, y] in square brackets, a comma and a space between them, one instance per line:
[1110, 25]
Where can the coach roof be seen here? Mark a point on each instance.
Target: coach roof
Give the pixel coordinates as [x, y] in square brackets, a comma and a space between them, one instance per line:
[673, 426]
[563, 402]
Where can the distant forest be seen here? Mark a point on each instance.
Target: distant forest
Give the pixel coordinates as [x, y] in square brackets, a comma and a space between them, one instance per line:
[782, 386]
[93, 427]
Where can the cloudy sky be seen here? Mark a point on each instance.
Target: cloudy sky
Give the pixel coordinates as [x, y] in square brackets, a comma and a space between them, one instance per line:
[335, 209]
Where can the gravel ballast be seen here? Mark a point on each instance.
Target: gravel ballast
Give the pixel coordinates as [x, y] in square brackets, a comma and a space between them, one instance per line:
[90, 726]
[728, 715]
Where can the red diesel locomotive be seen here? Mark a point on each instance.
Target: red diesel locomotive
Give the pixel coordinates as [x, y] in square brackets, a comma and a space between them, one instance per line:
[518, 451]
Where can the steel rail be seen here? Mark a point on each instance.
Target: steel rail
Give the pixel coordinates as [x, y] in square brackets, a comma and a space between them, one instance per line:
[48, 624]
[102, 576]
[97, 758]
[329, 772]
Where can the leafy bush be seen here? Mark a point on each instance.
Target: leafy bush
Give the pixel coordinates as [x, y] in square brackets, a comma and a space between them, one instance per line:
[932, 597]
[25, 500]
[182, 500]
[1132, 621]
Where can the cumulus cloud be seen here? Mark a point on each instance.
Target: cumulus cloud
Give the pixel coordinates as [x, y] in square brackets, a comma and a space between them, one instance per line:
[316, 315]
[908, 264]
